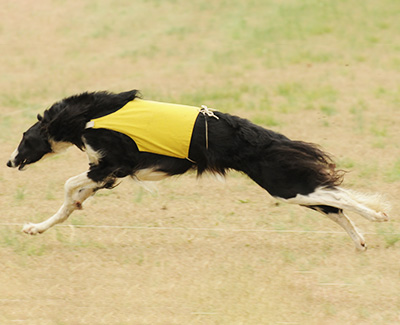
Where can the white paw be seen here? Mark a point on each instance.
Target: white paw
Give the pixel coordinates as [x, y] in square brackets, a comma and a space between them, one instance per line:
[31, 229]
[382, 216]
[378, 217]
[361, 246]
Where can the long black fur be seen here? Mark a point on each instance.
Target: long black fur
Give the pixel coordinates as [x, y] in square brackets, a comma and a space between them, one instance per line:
[283, 167]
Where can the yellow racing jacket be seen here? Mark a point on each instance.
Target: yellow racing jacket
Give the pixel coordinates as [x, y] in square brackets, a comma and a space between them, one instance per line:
[156, 127]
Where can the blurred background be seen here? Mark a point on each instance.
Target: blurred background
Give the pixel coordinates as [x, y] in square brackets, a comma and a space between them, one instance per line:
[203, 252]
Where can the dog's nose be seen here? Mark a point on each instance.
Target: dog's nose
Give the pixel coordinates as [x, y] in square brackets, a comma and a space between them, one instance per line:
[9, 163]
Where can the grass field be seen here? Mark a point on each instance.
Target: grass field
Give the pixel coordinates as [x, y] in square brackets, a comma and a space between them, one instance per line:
[203, 252]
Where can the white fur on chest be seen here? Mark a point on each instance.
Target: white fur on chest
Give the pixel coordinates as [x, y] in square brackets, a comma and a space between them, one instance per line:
[93, 155]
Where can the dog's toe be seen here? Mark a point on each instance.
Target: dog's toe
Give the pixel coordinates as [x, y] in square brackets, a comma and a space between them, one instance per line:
[361, 246]
[30, 229]
[383, 216]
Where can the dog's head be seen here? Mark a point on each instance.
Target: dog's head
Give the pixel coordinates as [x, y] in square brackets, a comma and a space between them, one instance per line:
[34, 145]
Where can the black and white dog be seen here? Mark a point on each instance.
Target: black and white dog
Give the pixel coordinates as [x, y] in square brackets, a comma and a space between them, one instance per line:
[293, 171]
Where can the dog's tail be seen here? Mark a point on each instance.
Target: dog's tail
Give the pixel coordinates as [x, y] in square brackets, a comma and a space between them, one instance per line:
[308, 160]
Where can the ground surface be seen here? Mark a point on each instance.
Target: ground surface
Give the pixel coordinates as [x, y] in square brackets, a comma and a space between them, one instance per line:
[203, 252]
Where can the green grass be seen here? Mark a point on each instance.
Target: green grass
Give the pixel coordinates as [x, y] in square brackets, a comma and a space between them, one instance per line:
[328, 110]
[393, 174]
[389, 235]
[297, 96]
[346, 163]
[140, 194]
[20, 194]
[291, 91]
[266, 119]
[20, 243]
[358, 111]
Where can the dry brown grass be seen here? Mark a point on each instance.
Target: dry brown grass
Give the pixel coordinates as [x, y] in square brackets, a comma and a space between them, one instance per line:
[320, 71]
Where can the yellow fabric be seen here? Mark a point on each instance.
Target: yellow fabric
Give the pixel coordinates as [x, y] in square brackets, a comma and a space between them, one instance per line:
[160, 128]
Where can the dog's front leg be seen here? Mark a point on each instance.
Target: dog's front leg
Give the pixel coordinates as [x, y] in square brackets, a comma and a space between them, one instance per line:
[77, 190]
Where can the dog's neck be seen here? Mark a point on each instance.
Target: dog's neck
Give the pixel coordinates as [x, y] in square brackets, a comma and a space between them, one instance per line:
[59, 146]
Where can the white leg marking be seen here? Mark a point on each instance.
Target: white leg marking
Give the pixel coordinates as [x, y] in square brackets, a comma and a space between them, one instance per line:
[77, 189]
[342, 220]
[338, 198]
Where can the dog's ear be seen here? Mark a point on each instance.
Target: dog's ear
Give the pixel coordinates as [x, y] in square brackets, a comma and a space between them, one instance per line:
[39, 117]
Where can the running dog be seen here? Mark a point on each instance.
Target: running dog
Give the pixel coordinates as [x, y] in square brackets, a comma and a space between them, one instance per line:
[124, 135]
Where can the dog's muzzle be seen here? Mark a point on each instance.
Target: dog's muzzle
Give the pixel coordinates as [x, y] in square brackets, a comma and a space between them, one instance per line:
[20, 165]
[14, 162]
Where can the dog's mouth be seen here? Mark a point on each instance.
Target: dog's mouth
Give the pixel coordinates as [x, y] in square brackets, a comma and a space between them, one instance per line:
[23, 164]
[20, 165]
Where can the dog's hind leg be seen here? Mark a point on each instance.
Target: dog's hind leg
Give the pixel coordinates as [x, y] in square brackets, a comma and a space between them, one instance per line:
[372, 207]
[77, 190]
[338, 216]
[342, 199]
